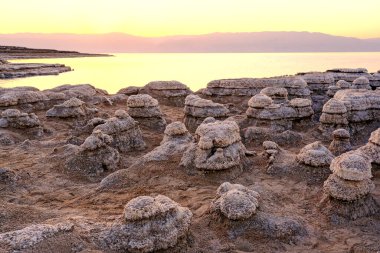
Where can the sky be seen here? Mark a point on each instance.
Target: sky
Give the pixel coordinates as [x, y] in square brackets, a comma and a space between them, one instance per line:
[155, 18]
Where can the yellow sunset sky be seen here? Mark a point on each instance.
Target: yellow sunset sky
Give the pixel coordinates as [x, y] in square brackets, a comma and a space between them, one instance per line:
[179, 17]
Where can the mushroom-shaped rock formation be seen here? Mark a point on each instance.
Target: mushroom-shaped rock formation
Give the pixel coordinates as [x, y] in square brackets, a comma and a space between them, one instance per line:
[176, 140]
[94, 156]
[235, 201]
[125, 132]
[150, 224]
[334, 116]
[263, 112]
[72, 108]
[146, 111]
[315, 155]
[197, 109]
[372, 148]
[24, 123]
[341, 142]
[278, 95]
[348, 188]
[171, 93]
[361, 83]
[340, 85]
[218, 148]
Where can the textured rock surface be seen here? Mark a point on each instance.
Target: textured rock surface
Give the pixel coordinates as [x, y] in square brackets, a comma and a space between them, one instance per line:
[125, 132]
[218, 147]
[197, 109]
[341, 142]
[146, 111]
[315, 155]
[372, 148]
[235, 201]
[171, 93]
[94, 156]
[72, 108]
[13, 120]
[150, 224]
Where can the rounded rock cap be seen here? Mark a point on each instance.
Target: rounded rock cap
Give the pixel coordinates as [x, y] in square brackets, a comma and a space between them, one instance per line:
[11, 113]
[375, 137]
[361, 81]
[260, 101]
[300, 102]
[145, 207]
[341, 134]
[334, 106]
[274, 92]
[237, 205]
[175, 128]
[343, 84]
[121, 114]
[298, 83]
[352, 166]
[73, 102]
[141, 100]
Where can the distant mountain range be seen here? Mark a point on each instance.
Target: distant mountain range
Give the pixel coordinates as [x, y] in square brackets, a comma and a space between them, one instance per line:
[208, 43]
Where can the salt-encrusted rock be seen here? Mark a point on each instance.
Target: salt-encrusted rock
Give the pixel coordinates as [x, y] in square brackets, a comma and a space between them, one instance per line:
[278, 95]
[235, 201]
[348, 188]
[146, 111]
[218, 148]
[263, 111]
[20, 122]
[176, 140]
[334, 116]
[171, 93]
[72, 108]
[361, 83]
[131, 90]
[24, 239]
[197, 109]
[150, 224]
[315, 155]
[341, 142]
[84, 92]
[124, 130]
[94, 156]
[372, 148]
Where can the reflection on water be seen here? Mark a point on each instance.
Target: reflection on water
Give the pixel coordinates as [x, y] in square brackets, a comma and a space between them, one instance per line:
[195, 70]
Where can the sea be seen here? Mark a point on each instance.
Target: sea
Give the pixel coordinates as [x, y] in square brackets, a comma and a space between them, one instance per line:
[194, 70]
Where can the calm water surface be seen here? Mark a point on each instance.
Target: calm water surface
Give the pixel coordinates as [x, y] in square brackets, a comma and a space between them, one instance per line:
[195, 70]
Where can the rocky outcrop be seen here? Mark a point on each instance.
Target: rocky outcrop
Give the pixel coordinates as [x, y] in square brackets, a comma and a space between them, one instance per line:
[334, 116]
[124, 131]
[372, 148]
[146, 111]
[26, 124]
[239, 91]
[171, 93]
[72, 108]
[149, 224]
[235, 201]
[95, 156]
[263, 111]
[341, 142]
[349, 188]
[198, 109]
[361, 83]
[315, 155]
[18, 70]
[340, 85]
[218, 148]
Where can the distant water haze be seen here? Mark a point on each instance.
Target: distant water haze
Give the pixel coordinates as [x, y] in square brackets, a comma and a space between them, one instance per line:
[194, 70]
[208, 43]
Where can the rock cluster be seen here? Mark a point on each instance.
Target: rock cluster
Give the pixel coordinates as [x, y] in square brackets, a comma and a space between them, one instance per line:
[72, 108]
[238, 91]
[218, 148]
[315, 155]
[22, 122]
[341, 142]
[197, 109]
[263, 111]
[235, 201]
[94, 156]
[124, 131]
[350, 185]
[146, 111]
[149, 224]
[171, 93]
[372, 148]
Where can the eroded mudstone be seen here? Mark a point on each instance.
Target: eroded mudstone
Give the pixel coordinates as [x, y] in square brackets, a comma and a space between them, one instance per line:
[94, 156]
[124, 130]
[341, 142]
[315, 155]
[72, 108]
[235, 201]
[146, 111]
[150, 224]
[197, 109]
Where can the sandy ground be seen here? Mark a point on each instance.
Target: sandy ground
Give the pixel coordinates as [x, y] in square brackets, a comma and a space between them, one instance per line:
[45, 191]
